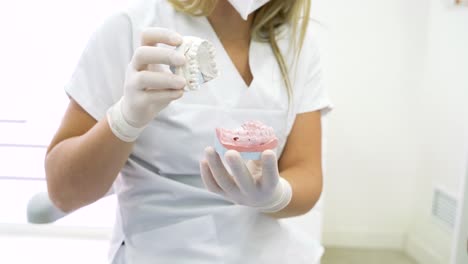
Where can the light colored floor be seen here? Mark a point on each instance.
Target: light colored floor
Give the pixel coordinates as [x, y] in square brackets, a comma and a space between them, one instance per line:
[365, 256]
[24, 249]
[51, 250]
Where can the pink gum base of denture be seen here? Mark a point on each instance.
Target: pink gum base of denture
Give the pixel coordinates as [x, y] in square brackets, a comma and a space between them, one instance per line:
[256, 143]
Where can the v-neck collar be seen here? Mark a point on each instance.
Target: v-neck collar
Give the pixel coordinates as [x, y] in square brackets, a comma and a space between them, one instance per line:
[226, 59]
[229, 89]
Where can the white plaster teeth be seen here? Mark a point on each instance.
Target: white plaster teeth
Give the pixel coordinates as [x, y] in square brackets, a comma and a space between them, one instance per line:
[201, 65]
[212, 52]
[192, 54]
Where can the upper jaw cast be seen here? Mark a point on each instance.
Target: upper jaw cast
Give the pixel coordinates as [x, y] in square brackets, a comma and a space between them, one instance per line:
[200, 66]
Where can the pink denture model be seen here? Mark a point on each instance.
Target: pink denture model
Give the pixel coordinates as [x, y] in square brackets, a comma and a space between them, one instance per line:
[250, 140]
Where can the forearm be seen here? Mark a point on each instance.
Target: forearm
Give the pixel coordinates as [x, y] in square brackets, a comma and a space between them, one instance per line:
[306, 190]
[81, 169]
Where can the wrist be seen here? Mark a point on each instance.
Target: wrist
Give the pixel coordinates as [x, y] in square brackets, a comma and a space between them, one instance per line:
[282, 196]
[119, 126]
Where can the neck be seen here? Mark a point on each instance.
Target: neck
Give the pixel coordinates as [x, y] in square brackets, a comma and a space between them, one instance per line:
[228, 24]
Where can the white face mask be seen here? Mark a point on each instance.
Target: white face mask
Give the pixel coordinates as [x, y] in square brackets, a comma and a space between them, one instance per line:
[247, 7]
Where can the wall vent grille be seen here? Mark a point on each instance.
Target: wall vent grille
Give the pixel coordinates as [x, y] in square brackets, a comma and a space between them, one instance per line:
[444, 208]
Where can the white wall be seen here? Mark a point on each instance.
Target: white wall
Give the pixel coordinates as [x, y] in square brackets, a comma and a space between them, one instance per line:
[442, 117]
[44, 40]
[398, 74]
[374, 62]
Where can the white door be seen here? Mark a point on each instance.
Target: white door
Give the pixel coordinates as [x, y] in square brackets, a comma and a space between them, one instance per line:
[460, 252]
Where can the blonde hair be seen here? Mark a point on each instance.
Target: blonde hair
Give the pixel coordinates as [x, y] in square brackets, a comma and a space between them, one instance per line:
[266, 25]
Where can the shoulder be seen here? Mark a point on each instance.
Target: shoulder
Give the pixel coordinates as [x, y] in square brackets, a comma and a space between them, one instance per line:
[142, 14]
[115, 24]
[313, 35]
[139, 13]
[303, 63]
[148, 12]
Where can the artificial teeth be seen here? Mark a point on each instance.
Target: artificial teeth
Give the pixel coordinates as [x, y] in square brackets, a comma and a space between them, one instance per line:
[201, 66]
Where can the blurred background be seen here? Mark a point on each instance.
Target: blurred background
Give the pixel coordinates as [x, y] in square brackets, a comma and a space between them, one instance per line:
[396, 143]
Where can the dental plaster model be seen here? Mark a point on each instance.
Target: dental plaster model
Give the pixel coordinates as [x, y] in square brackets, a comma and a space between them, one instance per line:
[200, 66]
[250, 140]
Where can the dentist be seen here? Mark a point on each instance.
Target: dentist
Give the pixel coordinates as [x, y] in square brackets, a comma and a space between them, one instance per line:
[131, 127]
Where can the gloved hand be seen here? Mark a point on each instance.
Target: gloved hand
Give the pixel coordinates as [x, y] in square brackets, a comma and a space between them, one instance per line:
[255, 183]
[149, 87]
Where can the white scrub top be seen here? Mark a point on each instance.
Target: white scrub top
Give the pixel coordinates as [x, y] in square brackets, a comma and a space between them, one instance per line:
[165, 215]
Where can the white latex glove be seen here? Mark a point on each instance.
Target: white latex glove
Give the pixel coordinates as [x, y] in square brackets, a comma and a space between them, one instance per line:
[256, 184]
[149, 86]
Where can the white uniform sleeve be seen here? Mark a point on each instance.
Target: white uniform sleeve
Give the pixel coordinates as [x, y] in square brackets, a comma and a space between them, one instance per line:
[312, 94]
[97, 82]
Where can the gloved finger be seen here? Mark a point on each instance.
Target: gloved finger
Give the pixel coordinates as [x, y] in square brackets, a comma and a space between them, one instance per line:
[255, 168]
[154, 35]
[220, 174]
[154, 96]
[208, 179]
[240, 172]
[159, 68]
[149, 80]
[146, 55]
[270, 174]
